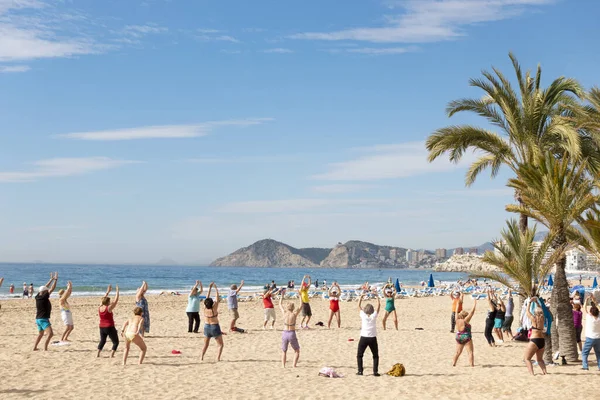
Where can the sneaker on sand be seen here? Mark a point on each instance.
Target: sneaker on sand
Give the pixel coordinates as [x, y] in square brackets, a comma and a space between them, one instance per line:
[556, 355]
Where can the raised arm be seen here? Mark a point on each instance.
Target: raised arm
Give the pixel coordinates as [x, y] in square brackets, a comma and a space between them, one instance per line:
[298, 309]
[67, 292]
[309, 282]
[53, 285]
[50, 281]
[360, 302]
[194, 287]
[141, 291]
[108, 290]
[240, 287]
[378, 303]
[218, 297]
[586, 305]
[114, 303]
[529, 314]
[1, 281]
[468, 319]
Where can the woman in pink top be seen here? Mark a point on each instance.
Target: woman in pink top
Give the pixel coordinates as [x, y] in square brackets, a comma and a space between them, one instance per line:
[577, 319]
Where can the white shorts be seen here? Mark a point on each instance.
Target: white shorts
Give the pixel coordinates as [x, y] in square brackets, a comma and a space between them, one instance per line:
[269, 314]
[67, 317]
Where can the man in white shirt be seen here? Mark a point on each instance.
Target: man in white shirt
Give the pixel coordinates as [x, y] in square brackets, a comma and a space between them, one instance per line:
[368, 335]
[592, 333]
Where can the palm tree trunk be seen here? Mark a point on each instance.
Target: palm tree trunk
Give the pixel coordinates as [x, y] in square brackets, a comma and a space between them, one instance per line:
[522, 217]
[563, 313]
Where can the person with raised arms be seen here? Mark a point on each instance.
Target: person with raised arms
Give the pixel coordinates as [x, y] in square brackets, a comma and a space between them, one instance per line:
[65, 310]
[306, 311]
[212, 329]
[592, 333]
[368, 335]
[232, 304]
[131, 330]
[390, 308]
[537, 342]
[463, 335]
[107, 321]
[269, 309]
[193, 308]
[44, 310]
[334, 304]
[141, 302]
[288, 337]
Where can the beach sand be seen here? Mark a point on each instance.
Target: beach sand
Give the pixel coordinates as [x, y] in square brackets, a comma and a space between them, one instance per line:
[251, 365]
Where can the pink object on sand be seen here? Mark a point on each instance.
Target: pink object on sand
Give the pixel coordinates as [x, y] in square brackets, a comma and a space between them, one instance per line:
[175, 352]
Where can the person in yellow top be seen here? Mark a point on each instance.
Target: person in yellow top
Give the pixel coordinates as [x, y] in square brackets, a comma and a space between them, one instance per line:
[457, 302]
[306, 311]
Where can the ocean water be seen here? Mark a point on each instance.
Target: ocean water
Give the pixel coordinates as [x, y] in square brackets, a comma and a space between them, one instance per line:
[92, 280]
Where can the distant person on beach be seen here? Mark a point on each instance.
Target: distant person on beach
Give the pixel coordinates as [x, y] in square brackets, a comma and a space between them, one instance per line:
[193, 308]
[232, 304]
[577, 322]
[288, 337]
[499, 319]
[537, 342]
[457, 302]
[273, 286]
[490, 319]
[141, 302]
[306, 311]
[43, 311]
[390, 308]
[30, 293]
[463, 335]
[11, 288]
[508, 317]
[65, 311]
[25, 290]
[131, 330]
[211, 322]
[592, 333]
[368, 335]
[269, 308]
[334, 304]
[107, 322]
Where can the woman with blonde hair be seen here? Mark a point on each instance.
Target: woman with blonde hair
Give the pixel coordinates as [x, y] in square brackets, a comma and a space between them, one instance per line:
[288, 337]
[132, 332]
[463, 335]
[537, 342]
[65, 310]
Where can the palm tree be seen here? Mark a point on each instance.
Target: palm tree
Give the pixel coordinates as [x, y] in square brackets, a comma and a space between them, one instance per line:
[556, 193]
[521, 264]
[530, 122]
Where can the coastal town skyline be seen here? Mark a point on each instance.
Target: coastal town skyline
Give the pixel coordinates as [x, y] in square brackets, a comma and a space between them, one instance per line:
[136, 131]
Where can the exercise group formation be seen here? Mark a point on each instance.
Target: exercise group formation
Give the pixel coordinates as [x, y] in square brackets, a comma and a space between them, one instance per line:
[534, 319]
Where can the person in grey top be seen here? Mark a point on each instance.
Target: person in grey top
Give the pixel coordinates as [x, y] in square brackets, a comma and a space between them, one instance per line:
[232, 304]
[508, 317]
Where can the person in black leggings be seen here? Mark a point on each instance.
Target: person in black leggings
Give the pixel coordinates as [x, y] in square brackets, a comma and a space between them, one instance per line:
[107, 322]
[489, 321]
[368, 335]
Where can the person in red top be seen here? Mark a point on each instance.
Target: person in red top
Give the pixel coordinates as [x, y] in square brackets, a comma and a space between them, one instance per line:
[334, 304]
[269, 308]
[107, 322]
[457, 302]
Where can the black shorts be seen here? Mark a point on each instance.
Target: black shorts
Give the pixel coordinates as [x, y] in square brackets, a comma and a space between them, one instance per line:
[507, 325]
[306, 311]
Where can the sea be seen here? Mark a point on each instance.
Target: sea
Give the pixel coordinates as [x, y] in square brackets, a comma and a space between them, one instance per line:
[92, 280]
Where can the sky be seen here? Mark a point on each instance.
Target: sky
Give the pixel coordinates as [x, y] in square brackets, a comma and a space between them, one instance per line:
[137, 130]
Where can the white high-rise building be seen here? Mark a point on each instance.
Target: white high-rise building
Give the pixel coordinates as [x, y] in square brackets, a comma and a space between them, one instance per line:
[411, 256]
[576, 260]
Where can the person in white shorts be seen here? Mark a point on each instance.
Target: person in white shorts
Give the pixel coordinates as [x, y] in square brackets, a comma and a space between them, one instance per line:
[65, 311]
[269, 308]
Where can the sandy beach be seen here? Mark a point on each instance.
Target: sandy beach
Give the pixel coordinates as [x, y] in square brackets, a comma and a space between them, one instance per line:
[251, 361]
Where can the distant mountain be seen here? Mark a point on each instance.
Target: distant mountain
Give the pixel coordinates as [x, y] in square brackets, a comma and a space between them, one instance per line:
[271, 253]
[166, 262]
[357, 253]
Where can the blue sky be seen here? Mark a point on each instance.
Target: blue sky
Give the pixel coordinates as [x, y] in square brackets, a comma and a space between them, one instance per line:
[136, 130]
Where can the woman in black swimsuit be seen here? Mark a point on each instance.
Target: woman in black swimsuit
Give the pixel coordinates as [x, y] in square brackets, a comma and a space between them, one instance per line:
[536, 341]
[489, 321]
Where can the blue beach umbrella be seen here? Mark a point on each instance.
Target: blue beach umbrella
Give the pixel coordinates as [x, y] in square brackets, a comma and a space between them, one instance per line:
[550, 281]
[397, 285]
[431, 284]
[595, 284]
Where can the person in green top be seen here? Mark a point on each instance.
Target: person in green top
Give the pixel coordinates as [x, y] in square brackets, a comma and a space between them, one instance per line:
[389, 293]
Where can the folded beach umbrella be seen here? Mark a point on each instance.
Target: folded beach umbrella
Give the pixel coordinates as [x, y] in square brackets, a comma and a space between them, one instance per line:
[398, 285]
[431, 284]
[595, 284]
[550, 281]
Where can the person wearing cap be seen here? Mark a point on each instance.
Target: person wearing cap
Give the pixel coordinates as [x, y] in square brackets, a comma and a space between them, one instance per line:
[43, 311]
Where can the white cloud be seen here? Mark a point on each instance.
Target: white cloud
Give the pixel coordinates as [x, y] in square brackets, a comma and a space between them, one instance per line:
[374, 51]
[296, 205]
[341, 188]
[162, 131]
[213, 35]
[28, 31]
[138, 31]
[389, 162]
[208, 30]
[62, 167]
[246, 159]
[225, 51]
[14, 68]
[278, 50]
[430, 20]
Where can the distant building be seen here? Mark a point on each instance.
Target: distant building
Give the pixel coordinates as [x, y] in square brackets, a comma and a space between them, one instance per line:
[411, 256]
[576, 260]
[440, 253]
[459, 251]
[393, 254]
[474, 251]
[421, 255]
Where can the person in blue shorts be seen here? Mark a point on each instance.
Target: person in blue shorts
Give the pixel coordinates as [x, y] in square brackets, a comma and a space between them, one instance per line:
[43, 311]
